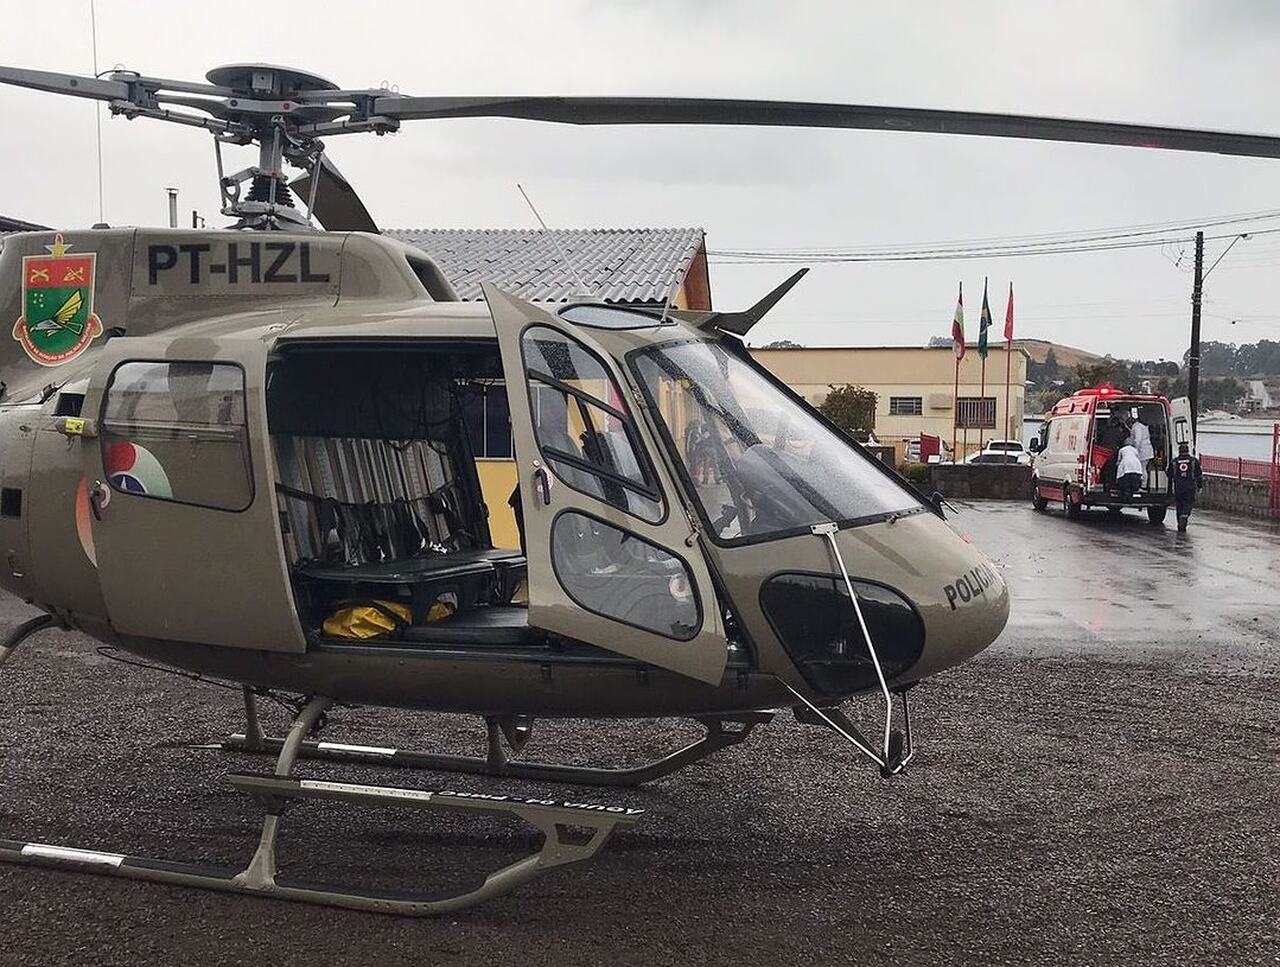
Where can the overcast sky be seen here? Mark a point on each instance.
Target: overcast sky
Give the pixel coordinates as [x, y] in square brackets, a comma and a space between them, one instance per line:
[1189, 64]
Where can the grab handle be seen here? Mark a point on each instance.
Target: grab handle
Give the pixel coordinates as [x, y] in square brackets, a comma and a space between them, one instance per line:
[543, 481]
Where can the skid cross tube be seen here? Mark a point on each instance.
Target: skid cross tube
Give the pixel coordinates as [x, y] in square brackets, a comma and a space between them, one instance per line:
[828, 531]
[573, 832]
[721, 733]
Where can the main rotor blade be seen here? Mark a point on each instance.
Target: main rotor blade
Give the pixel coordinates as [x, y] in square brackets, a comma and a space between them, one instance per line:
[338, 208]
[680, 110]
[74, 84]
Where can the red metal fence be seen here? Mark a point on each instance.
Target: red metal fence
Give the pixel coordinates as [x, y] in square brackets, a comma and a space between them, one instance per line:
[1240, 468]
[1244, 469]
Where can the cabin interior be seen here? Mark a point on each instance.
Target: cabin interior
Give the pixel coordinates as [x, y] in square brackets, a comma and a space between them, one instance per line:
[1110, 435]
[379, 498]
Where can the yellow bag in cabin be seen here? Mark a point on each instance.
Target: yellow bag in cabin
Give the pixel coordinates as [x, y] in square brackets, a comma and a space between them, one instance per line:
[377, 619]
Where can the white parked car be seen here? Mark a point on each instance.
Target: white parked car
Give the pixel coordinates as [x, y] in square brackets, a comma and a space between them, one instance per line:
[1001, 451]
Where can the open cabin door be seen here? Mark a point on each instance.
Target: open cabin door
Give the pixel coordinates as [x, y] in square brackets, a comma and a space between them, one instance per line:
[1184, 429]
[180, 493]
[611, 559]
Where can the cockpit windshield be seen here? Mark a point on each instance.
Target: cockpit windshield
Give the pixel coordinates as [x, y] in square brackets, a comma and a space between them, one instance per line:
[760, 463]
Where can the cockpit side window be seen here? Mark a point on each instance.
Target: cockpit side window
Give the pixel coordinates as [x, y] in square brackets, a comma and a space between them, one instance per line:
[583, 427]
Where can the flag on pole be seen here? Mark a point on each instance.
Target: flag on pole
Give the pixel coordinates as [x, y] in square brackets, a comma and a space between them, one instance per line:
[984, 322]
[957, 326]
[1008, 317]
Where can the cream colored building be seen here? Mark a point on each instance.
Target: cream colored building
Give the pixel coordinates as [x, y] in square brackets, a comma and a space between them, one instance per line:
[914, 388]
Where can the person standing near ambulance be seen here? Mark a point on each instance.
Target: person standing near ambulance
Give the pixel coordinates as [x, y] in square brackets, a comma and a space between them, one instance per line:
[1140, 438]
[1187, 479]
[1128, 470]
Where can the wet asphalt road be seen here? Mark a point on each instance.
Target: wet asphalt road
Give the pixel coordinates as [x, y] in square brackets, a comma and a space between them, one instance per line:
[1100, 787]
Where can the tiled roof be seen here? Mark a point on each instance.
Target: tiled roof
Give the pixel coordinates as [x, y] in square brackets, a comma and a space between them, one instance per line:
[631, 265]
[8, 224]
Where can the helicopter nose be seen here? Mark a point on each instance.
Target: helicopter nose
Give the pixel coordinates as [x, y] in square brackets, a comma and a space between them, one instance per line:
[959, 594]
[964, 616]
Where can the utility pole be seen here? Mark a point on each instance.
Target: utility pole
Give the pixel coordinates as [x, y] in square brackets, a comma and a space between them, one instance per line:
[1193, 356]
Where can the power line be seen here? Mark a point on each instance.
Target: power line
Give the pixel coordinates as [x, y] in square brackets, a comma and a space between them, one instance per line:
[1071, 248]
[1184, 224]
[1135, 237]
[97, 107]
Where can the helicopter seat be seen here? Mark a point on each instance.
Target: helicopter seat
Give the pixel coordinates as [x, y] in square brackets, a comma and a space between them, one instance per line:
[478, 580]
[496, 626]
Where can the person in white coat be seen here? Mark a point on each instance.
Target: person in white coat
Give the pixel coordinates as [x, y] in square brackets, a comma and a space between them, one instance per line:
[1140, 439]
[1128, 471]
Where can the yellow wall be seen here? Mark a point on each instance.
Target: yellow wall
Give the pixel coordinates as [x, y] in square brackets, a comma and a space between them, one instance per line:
[906, 371]
[497, 480]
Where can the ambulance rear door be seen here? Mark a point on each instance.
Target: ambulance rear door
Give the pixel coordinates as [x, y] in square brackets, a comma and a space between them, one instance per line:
[1181, 427]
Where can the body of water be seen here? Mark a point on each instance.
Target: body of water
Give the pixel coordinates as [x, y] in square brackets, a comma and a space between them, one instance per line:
[1250, 445]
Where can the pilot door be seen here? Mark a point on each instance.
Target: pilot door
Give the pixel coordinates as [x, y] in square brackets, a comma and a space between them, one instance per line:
[179, 493]
[612, 560]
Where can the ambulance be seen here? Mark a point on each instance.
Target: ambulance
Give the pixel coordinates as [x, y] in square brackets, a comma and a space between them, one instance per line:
[1078, 442]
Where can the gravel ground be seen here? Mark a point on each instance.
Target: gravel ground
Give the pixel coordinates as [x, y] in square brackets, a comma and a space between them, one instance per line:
[1098, 788]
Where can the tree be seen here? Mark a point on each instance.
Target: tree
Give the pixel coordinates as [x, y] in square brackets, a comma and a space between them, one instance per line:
[782, 344]
[1104, 371]
[1051, 364]
[851, 408]
[1222, 393]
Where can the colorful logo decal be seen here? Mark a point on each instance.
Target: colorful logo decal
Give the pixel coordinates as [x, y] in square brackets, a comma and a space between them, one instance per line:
[131, 468]
[84, 528]
[135, 470]
[57, 322]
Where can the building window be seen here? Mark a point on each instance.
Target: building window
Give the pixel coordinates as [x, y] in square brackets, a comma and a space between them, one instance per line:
[906, 405]
[976, 412]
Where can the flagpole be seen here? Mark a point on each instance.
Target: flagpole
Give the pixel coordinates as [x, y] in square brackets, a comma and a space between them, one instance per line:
[1008, 364]
[984, 323]
[957, 346]
[955, 414]
[1009, 414]
[982, 395]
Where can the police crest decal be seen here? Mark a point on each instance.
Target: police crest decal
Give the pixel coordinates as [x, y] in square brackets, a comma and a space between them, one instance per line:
[57, 322]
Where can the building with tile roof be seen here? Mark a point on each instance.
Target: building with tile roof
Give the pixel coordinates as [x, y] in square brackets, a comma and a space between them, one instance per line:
[634, 266]
[8, 225]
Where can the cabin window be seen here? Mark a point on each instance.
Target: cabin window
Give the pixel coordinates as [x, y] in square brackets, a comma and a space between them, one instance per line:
[618, 575]
[582, 425]
[176, 431]
[612, 317]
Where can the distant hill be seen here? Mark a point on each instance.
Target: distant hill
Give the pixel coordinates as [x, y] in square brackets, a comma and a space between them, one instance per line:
[1067, 356]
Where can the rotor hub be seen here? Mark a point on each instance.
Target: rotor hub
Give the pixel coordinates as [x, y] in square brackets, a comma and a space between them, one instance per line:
[265, 81]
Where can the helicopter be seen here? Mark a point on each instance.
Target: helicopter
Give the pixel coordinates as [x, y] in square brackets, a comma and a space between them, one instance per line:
[242, 454]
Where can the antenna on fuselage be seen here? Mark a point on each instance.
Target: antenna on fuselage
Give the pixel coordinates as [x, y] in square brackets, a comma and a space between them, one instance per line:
[582, 285]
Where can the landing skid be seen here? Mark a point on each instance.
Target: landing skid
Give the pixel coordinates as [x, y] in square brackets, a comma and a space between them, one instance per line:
[506, 737]
[573, 833]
